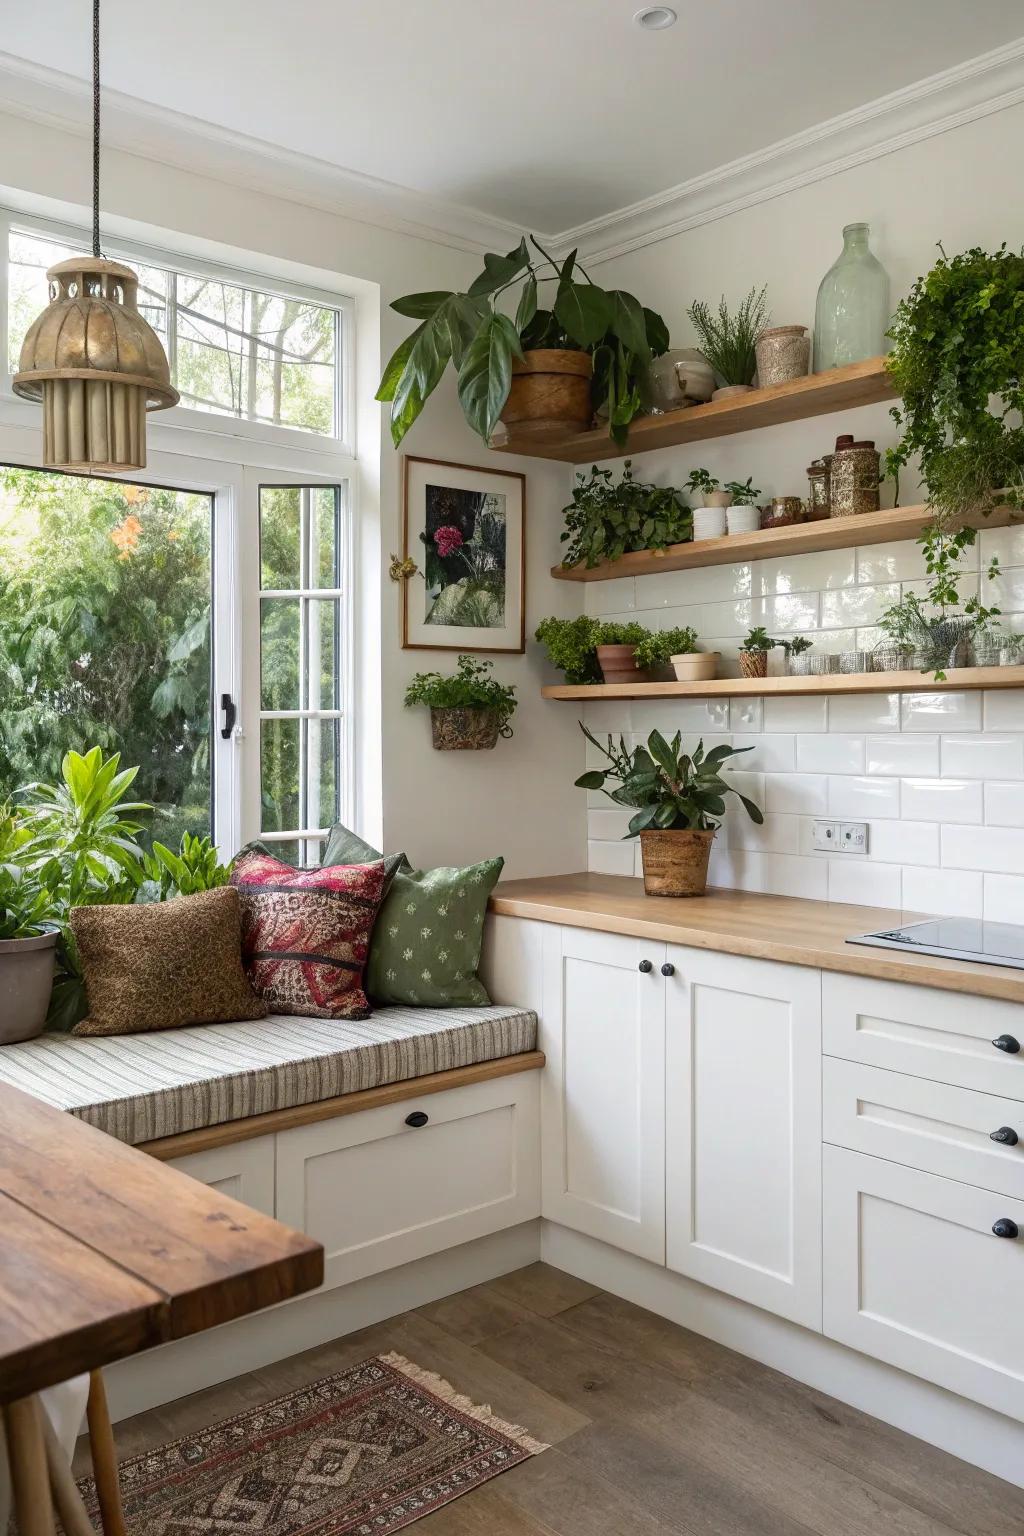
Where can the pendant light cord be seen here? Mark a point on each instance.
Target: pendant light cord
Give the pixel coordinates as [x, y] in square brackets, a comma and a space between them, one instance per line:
[96, 127]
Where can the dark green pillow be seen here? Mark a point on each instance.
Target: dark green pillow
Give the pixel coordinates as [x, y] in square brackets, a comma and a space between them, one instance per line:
[425, 948]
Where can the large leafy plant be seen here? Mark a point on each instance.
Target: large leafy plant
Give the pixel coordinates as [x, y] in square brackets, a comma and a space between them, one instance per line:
[572, 644]
[669, 789]
[481, 340]
[26, 909]
[470, 686]
[607, 518]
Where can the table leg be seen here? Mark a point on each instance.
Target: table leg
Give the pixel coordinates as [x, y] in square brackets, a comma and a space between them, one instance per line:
[66, 1496]
[26, 1456]
[104, 1458]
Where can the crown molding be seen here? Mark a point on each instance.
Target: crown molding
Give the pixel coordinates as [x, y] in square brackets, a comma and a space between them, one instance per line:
[976, 88]
[139, 128]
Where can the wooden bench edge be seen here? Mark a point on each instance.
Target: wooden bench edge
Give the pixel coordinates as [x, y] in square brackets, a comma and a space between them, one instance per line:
[203, 1140]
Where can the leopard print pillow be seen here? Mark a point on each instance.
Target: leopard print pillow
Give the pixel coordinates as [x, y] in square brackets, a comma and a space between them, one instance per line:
[164, 965]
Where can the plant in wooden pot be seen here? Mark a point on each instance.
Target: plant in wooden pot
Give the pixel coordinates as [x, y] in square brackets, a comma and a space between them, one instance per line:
[469, 709]
[28, 945]
[543, 372]
[679, 800]
[754, 653]
[729, 342]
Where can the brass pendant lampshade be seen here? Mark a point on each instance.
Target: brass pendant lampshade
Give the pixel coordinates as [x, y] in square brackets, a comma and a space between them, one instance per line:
[95, 363]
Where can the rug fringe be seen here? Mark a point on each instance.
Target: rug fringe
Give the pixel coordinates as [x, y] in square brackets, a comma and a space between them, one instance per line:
[447, 1393]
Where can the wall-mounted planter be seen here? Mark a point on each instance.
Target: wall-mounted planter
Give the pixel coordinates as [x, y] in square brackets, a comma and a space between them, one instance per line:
[676, 863]
[26, 981]
[464, 730]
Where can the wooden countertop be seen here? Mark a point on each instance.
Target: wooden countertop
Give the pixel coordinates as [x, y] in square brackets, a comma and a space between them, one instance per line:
[782, 928]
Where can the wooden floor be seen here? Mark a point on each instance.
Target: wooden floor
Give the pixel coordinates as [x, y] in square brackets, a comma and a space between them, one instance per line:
[653, 1430]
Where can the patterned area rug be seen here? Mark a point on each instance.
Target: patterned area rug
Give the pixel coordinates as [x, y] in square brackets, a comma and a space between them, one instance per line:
[367, 1451]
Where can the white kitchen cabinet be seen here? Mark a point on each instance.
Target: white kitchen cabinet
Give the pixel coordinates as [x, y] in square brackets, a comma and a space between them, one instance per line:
[244, 1170]
[604, 1088]
[916, 1276]
[743, 1129]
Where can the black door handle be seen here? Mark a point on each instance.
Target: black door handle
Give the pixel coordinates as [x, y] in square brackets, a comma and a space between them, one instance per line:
[1006, 1136]
[1004, 1227]
[1006, 1043]
[230, 711]
[416, 1119]
[668, 969]
[645, 966]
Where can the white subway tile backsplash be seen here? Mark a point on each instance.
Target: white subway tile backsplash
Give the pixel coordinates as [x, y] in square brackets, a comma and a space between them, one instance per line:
[771, 754]
[1004, 898]
[819, 572]
[793, 611]
[854, 712]
[862, 799]
[830, 754]
[903, 842]
[852, 607]
[902, 755]
[1004, 710]
[694, 717]
[993, 850]
[746, 715]
[941, 711]
[943, 892]
[784, 874]
[608, 826]
[1004, 804]
[710, 584]
[902, 561]
[610, 858]
[1007, 544]
[984, 756]
[941, 800]
[777, 834]
[795, 714]
[729, 618]
[863, 883]
[1006, 590]
[603, 597]
[799, 794]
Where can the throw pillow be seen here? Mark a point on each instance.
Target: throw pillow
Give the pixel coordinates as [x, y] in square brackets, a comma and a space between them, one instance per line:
[426, 944]
[306, 933]
[163, 965]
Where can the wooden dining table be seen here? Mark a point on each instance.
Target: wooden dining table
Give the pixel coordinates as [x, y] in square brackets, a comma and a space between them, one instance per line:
[105, 1252]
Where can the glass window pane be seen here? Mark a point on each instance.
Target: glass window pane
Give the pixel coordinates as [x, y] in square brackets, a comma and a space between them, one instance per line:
[105, 592]
[279, 653]
[322, 762]
[324, 681]
[288, 852]
[280, 543]
[279, 774]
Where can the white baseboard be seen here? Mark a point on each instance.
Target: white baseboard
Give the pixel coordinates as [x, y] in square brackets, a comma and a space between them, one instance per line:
[189, 1365]
[964, 1429]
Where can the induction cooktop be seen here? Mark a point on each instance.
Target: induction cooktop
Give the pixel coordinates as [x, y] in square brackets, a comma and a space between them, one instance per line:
[958, 938]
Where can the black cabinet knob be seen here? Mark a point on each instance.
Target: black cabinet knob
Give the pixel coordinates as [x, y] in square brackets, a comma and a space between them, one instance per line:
[645, 966]
[1006, 1043]
[1006, 1136]
[416, 1119]
[1004, 1227]
[668, 969]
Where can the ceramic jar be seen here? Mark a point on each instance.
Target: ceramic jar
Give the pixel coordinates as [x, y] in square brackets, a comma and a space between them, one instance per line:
[852, 311]
[676, 379]
[853, 478]
[781, 511]
[694, 374]
[783, 353]
[818, 491]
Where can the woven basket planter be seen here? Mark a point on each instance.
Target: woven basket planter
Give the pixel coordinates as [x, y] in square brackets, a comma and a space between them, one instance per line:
[754, 663]
[676, 863]
[464, 730]
[549, 393]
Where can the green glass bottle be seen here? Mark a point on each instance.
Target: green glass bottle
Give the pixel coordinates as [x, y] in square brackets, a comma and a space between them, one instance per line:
[852, 312]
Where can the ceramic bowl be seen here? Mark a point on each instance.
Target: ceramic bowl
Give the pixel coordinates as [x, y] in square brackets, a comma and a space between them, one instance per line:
[695, 666]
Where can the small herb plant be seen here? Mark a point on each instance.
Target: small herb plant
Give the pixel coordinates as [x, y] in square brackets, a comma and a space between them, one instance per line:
[744, 494]
[796, 646]
[658, 645]
[470, 686]
[607, 518]
[572, 644]
[727, 341]
[700, 480]
[668, 789]
[759, 642]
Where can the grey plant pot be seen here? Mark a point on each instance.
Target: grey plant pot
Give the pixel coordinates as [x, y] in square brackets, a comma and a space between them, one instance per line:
[26, 981]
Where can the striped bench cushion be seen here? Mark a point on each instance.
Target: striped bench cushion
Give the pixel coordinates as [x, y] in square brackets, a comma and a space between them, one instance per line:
[139, 1087]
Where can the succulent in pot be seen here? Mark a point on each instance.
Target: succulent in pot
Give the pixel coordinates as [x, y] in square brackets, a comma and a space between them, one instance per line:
[679, 800]
[28, 951]
[754, 653]
[798, 662]
[469, 709]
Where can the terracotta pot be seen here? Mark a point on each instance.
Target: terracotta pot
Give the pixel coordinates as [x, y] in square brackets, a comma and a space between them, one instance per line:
[550, 393]
[618, 664]
[676, 863]
[717, 498]
[464, 730]
[754, 663]
[26, 981]
[695, 666]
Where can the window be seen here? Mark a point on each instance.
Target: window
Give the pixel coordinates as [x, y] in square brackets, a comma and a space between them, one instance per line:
[233, 350]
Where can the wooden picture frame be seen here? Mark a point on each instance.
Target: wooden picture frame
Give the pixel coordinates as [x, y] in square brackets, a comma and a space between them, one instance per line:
[469, 591]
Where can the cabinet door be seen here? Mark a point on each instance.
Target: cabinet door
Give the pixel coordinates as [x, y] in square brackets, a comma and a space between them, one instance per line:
[914, 1275]
[603, 1102]
[743, 1128]
[243, 1169]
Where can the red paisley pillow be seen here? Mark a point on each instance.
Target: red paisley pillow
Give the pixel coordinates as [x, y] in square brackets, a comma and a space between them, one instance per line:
[306, 933]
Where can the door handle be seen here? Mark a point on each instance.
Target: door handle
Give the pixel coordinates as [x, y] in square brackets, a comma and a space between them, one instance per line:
[1004, 1227]
[416, 1119]
[230, 712]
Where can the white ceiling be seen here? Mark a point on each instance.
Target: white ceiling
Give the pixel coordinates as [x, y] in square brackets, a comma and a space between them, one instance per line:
[545, 113]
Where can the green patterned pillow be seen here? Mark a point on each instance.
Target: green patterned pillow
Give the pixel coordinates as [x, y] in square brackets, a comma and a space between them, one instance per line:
[426, 943]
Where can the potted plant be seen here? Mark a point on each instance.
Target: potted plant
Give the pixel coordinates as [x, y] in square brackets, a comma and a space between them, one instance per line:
[754, 653]
[607, 518]
[729, 342]
[469, 709]
[28, 945]
[571, 645]
[904, 627]
[711, 493]
[545, 371]
[1011, 650]
[589, 650]
[743, 514]
[679, 802]
[798, 663]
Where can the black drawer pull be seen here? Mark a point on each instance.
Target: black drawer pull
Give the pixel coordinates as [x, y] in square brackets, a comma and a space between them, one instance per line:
[1004, 1227]
[1006, 1136]
[417, 1118]
[645, 966]
[668, 969]
[1006, 1043]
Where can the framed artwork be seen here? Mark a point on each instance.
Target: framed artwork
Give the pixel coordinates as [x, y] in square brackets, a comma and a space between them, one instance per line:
[466, 530]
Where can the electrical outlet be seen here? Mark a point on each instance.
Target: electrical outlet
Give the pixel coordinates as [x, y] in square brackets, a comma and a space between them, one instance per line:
[826, 836]
[853, 837]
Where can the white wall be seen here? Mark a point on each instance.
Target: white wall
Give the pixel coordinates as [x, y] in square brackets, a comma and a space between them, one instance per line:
[940, 777]
[440, 807]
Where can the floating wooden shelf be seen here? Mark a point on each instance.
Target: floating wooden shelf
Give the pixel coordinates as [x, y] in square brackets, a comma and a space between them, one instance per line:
[817, 394]
[796, 539]
[957, 678]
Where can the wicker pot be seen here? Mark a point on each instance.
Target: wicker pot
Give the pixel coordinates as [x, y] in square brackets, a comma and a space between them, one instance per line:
[754, 663]
[618, 664]
[464, 730]
[26, 981]
[550, 393]
[676, 863]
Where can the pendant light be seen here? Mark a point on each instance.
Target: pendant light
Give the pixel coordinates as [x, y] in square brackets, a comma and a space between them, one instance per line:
[95, 363]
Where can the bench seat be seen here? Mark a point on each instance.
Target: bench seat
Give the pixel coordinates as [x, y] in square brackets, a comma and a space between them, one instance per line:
[142, 1087]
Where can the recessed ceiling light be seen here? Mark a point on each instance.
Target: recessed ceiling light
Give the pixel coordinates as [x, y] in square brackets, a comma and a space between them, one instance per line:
[655, 18]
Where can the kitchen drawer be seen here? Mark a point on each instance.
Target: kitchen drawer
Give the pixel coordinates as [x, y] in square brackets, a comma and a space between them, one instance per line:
[944, 1036]
[377, 1191]
[930, 1126]
[915, 1276]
